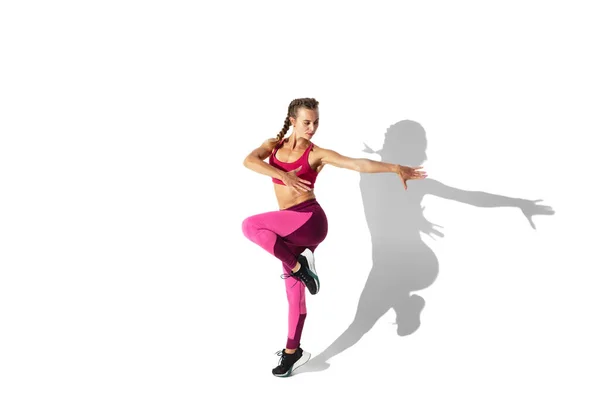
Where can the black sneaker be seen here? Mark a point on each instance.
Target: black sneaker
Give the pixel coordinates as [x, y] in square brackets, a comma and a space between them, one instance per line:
[289, 362]
[307, 272]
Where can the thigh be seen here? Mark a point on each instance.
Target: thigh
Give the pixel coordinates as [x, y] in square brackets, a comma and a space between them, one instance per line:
[311, 233]
[283, 222]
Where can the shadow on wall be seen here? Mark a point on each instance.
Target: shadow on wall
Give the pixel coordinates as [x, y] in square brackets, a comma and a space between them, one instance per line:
[402, 261]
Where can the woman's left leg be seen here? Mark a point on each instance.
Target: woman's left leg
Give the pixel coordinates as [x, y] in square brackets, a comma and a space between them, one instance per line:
[286, 234]
[295, 292]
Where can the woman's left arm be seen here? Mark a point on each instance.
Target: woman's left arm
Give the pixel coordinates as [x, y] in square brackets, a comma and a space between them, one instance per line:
[330, 157]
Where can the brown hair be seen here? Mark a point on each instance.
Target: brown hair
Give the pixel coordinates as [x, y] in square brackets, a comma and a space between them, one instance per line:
[295, 105]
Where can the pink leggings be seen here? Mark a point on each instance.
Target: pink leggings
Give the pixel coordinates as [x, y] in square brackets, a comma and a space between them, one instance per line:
[286, 234]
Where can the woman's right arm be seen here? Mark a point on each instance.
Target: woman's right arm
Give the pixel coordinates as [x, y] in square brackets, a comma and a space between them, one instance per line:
[254, 161]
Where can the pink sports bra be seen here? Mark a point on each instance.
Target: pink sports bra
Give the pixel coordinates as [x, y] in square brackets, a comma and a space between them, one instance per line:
[305, 173]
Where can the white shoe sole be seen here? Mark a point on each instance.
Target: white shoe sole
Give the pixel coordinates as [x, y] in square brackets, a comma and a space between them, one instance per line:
[301, 361]
[310, 257]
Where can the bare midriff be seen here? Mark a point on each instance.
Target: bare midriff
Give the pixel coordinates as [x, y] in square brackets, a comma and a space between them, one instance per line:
[287, 197]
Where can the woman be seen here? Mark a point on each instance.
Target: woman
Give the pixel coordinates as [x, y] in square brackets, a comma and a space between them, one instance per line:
[293, 233]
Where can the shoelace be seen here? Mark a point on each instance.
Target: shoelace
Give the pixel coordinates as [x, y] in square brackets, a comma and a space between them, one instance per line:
[285, 276]
[283, 356]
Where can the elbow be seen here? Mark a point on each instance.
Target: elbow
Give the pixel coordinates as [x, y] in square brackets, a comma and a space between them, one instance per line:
[359, 165]
[248, 161]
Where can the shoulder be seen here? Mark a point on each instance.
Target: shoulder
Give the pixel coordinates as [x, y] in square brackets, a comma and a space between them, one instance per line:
[320, 151]
[328, 156]
[324, 156]
[265, 149]
[316, 148]
[270, 143]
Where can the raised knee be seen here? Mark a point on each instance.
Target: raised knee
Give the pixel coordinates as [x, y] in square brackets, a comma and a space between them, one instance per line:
[248, 227]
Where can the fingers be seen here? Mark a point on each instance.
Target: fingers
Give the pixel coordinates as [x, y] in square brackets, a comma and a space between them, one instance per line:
[412, 174]
[305, 188]
[300, 189]
[300, 186]
[416, 174]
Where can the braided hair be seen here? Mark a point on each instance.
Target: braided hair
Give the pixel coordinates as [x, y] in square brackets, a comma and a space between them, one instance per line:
[295, 105]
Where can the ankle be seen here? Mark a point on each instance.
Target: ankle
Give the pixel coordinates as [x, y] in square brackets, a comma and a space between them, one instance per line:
[296, 268]
[290, 351]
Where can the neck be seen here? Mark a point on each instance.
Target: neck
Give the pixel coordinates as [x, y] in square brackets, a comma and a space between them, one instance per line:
[293, 140]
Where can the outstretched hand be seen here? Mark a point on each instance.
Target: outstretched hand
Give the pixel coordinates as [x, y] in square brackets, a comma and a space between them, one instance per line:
[406, 173]
[291, 180]
[529, 208]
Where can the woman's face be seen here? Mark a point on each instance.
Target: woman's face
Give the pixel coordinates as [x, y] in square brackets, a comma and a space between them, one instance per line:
[306, 123]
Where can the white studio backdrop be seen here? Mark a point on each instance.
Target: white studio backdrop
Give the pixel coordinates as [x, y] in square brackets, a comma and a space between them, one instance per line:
[124, 271]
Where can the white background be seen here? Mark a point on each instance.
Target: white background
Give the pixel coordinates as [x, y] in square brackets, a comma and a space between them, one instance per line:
[124, 124]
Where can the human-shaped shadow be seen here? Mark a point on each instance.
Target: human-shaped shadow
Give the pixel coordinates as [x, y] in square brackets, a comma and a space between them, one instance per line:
[402, 261]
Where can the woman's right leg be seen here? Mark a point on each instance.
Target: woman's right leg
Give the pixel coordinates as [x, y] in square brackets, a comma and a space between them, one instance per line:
[269, 229]
[302, 225]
